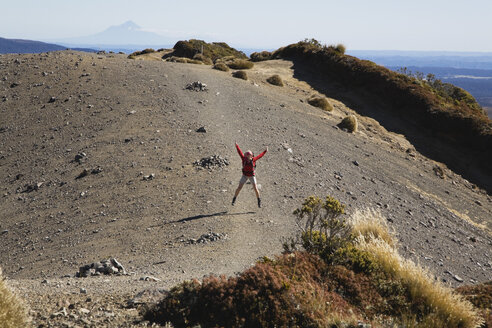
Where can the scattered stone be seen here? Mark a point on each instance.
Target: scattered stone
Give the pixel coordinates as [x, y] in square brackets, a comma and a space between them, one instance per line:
[83, 290]
[84, 311]
[438, 171]
[355, 163]
[196, 86]
[82, 174]
[210, 162]
[150, 278]
[32, 187]
[148, 177]
[97, 170]
[110, 266]
[457, 278]
[80, 156]
[148, 296]
[208, 237]
[201, 129]
[52, 100]
[479, 203]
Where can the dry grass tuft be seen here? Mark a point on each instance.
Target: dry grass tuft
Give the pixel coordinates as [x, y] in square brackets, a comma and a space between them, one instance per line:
[240, 64]
[349, 123]
[221, 67]
[275, 80]
[445, 308]
[320, 102]
[240, 75]
[203, 59]
[370, 224]
[184, 60]
[13, 313]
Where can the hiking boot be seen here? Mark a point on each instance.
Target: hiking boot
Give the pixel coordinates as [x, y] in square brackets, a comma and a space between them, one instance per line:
[233, 200]
[259, 203]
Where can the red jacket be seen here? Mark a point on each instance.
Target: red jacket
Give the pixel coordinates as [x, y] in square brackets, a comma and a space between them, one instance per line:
[249, 166]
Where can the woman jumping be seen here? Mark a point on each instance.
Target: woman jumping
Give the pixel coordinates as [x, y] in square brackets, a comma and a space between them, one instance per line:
[249, 165]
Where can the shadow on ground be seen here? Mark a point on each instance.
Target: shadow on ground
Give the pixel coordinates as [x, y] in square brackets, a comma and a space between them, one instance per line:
[202, 216]
[458, 159]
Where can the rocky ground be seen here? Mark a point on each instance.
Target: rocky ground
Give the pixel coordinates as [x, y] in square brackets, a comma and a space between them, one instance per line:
[102, 156]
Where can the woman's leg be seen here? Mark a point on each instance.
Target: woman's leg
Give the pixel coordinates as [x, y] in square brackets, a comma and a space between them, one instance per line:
[238, 189]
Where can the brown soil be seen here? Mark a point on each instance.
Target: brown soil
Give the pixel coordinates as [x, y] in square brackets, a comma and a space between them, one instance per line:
[134, 118]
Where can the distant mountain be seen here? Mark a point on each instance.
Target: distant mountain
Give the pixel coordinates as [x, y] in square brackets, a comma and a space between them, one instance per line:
[125, 36]
[26, 46]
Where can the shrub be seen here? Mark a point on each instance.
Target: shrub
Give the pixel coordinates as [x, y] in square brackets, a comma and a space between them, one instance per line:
[275, 80]
[221, 67]
[138, 53]
[212, 50]
[240, 75]
[13, 313]
[203, 59]
[260, 56]
[240, 64]
[481, 297]
[340, 48]
[320, 102]
[322, 231]
[349, 123]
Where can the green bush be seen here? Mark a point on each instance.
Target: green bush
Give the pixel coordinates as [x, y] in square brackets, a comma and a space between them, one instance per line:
[320, 102]
[13, 313]
[240, 75]
[240, 64]
[349, 123]
[138, 53]
[221, 67]
[275, 80]
[260, 56]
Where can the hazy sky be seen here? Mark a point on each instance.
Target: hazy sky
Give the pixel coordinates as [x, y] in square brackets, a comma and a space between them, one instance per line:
[455, 25]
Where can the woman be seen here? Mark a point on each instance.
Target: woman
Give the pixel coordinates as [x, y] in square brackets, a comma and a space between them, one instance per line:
[249, 165]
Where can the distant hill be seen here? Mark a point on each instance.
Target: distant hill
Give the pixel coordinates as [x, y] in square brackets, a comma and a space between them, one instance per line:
[26, 46]
[473, 60]
[127, 36]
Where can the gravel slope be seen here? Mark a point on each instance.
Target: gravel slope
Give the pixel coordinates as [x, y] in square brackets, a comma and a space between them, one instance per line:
[135, 118]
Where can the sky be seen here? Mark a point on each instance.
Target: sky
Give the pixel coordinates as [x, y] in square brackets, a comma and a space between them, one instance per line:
[431, 25]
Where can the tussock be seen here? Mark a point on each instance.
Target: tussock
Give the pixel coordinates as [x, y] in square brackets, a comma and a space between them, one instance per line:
[13, 313]
[370, 224]
[446, 308]
[320, 102]
[240, 64]
[349, 123]
[275, 80]
[221, 67]
[240, 75]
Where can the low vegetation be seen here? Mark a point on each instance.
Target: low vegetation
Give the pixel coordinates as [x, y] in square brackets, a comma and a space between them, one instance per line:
[335, 272]
[481, 297]
[13, 313]
[240, 75]
[349, 123]
[320, 102]
[276, 80]
[203, 59]
[261, 56]
[214, 50]
[183, 60]
[239, 64]
[221, 67]
[138, 53]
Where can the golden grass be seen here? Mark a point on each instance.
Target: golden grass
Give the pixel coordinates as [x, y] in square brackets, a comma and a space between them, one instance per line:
[275, 80]
[370, 224]
[13, 313]
[320, 102]
[184, 60]
[350, 123]
[447, 309]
